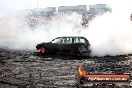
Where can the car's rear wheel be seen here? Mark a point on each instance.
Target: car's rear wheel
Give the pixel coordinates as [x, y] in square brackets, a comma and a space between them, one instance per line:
[76, 52]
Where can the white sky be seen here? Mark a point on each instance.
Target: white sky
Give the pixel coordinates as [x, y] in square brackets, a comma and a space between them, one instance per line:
[12, 5]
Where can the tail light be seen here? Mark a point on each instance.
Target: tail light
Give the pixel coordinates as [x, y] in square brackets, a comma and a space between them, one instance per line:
[42, 50]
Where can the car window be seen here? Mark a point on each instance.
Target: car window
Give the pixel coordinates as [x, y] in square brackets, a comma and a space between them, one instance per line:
[67, 40]
[57, 40]
[82, 40]
[79, 40]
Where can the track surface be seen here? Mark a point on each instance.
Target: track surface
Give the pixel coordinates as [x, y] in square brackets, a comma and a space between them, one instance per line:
[24, 69]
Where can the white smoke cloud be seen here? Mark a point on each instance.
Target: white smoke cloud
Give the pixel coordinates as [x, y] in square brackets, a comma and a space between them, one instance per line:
[18, 36]
[109, 36]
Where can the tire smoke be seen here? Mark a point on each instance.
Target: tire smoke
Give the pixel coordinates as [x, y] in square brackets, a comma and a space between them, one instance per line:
[108, 34]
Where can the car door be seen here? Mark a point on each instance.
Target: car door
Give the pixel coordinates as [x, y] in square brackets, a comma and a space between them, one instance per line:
[66, 45]
[61, 45]
[78, 45]
[56, 44]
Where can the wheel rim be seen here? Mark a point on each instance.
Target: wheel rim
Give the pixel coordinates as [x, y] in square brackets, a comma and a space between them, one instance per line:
[76, 52]
[42, 50]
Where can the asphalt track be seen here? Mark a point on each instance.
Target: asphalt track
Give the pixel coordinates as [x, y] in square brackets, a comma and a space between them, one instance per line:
[26, 69]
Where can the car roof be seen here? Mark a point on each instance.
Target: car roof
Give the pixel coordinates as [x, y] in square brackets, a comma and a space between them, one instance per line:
[71, 37]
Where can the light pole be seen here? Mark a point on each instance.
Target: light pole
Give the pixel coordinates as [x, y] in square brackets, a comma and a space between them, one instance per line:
[37, 9]
[37, 4]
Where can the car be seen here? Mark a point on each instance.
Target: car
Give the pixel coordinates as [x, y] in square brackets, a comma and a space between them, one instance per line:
[66, 45]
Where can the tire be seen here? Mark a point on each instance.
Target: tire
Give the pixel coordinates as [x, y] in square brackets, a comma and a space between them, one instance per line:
[76, 52]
